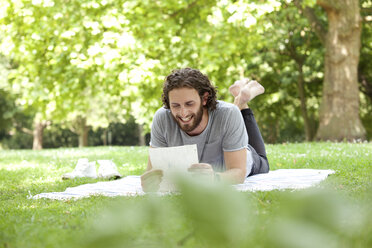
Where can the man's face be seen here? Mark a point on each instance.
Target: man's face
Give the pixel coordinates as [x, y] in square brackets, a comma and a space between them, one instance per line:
[187, 108]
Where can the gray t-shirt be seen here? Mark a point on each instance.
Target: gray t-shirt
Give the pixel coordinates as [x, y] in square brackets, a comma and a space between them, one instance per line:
[225, 131]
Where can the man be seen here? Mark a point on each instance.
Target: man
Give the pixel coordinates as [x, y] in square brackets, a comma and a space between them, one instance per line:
[192, 115]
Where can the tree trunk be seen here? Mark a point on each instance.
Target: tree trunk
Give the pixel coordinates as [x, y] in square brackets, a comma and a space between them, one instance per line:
[339, 111]
[38, 135]
[82, 131]
[104, 137]
[83, 138]
[141, 136]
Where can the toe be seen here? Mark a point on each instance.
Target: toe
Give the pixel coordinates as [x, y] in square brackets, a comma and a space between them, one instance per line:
[234, 90]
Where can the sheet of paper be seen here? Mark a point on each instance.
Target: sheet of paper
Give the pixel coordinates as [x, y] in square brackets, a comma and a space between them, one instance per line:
[176, 159]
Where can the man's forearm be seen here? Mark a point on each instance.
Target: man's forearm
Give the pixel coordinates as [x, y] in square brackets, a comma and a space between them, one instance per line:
[233, 176]
[149, 166]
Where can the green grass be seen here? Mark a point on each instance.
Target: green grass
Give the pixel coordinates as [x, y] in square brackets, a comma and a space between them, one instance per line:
[337, 212]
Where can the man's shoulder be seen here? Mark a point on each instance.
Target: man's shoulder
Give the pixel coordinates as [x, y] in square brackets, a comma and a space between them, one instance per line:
[223, 104]
[162, 112]
[162, 117]
[226, 113]
[225, 107]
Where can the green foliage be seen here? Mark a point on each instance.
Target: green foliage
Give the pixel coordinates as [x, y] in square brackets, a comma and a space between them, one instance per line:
[117, 134]
[289, 51]
[106, 60]
[220, 207]
[57, 135]
[18, 140]
[7, 110]
[320, 218]
[365, 73]
[308, 3]
[64, 64]
[300, 219]
[16, 137]
[124, 134]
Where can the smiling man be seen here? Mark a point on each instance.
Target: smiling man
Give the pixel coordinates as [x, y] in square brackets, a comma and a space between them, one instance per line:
[230, 145]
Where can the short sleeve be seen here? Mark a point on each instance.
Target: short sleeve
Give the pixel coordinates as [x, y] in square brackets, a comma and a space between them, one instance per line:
[235, 137]
[157, 130]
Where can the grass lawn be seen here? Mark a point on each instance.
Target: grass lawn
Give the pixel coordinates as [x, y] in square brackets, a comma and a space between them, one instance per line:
[337, 213]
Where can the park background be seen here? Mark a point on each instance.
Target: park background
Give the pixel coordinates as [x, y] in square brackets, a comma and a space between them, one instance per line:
[90, 73]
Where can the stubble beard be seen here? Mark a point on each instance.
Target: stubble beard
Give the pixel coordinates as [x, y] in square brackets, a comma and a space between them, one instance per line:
[197, 118]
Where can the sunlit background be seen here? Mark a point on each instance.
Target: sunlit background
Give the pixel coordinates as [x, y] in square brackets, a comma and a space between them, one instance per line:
[88, 73]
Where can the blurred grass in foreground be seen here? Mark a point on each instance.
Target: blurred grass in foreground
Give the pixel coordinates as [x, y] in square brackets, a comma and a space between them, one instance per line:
[337, 213]
[218, 216]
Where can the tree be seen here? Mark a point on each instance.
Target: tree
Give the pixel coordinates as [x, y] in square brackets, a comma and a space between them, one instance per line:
[294, 59]
[65, 58]
[339, 111]
[89, 63]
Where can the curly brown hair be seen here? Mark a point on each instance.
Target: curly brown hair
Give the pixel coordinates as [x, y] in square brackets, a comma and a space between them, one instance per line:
[190, 78]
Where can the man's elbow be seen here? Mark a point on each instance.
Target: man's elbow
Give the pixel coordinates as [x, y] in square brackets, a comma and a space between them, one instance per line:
[241, 175]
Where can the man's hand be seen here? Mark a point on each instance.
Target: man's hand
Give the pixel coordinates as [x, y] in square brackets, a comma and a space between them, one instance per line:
[150, 180]
[202, 171]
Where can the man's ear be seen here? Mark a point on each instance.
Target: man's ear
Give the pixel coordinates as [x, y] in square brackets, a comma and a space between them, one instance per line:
[205, 98]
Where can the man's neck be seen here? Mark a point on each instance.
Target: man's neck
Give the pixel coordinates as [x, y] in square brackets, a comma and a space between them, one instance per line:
[203, 124]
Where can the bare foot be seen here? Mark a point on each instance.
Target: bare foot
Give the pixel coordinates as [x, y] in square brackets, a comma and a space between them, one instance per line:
[249, 91]
[237, 86]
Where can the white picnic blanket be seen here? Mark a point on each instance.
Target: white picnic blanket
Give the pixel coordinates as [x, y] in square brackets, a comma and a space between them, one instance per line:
[131, 185]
